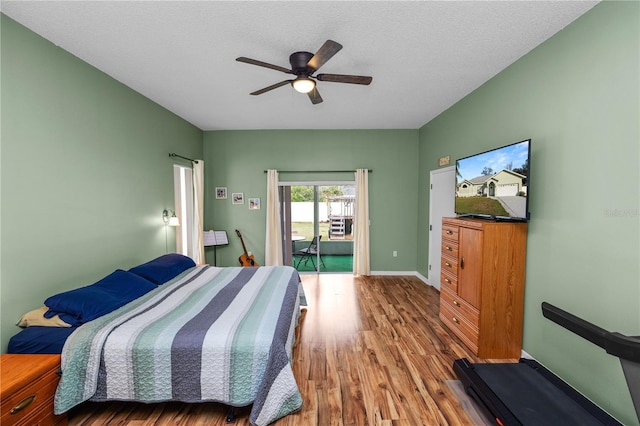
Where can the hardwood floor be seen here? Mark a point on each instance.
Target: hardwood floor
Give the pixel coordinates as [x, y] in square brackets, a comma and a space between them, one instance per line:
[369, 351]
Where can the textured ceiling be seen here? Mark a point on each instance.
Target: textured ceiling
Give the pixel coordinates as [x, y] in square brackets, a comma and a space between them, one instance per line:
[424, 56]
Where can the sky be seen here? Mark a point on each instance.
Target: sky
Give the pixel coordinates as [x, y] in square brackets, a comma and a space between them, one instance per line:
[497, 159]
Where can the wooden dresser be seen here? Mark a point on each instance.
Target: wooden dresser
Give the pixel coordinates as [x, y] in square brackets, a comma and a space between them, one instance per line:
[27, 386]
[482, 284]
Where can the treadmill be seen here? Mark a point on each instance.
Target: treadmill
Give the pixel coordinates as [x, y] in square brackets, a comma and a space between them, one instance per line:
[526, 393]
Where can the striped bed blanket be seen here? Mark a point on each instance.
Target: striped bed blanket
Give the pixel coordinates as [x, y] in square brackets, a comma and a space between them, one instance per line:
[210, 334]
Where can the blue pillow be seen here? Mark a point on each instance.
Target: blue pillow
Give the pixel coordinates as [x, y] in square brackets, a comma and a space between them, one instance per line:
[84, 304]
[164, 268]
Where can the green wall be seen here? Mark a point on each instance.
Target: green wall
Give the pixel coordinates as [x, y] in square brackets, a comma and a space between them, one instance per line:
[238, 159]
[577, 96]
[85, 173]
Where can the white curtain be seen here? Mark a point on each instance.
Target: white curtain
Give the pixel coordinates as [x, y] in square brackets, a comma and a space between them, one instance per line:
[361, 224]
[198, 212]
[273, 243]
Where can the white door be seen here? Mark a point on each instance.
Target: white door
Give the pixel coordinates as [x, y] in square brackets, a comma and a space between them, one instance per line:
[441, 204]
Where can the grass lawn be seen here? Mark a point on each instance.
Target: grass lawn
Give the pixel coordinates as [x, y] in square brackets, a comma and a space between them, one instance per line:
[306, 230]
[480, 205]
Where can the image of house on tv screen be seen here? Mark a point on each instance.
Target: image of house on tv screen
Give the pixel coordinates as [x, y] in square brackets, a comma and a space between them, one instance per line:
[494, 183]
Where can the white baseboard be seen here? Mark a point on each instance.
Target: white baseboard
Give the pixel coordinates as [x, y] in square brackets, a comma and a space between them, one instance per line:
[423, 278]
[525, 355]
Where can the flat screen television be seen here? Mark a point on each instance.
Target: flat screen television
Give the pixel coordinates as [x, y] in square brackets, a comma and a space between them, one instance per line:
[495, 184]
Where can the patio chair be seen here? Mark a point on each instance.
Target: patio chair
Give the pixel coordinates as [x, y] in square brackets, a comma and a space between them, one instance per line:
[310, 253]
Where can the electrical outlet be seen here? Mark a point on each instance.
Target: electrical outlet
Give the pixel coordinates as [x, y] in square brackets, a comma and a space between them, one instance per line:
[395, 253]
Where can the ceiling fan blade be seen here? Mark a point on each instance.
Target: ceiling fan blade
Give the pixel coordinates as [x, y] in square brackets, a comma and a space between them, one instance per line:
[263, 64]
[326, 52]
[314, 96]
[273, 86]
[344, 78]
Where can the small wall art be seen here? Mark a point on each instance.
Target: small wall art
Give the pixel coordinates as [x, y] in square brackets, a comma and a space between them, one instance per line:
[254, 203]
[237, 197]
[221, 192]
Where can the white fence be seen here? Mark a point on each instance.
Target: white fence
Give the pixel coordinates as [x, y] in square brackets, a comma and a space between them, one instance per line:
[302, 211]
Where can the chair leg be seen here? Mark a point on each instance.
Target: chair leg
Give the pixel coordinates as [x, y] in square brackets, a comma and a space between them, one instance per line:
[321, 262]
[304, 257]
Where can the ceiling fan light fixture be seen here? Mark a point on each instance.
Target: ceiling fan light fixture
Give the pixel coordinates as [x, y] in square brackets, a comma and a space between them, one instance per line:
[303, 84]
[304, 66]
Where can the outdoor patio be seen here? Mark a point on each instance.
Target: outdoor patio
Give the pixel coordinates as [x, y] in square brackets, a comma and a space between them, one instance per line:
[332, 263]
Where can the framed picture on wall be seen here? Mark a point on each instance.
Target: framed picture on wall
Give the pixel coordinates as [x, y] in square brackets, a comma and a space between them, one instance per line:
[238, 197]
[254, 203]
[221, 192]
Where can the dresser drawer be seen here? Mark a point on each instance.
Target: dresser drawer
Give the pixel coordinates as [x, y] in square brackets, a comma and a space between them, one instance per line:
[460, 327]
[449, 281]
[459, 307]
[449, 232]
[449, 249]
[43, 416]
[27, 388]
[449, 265]
[33, 398]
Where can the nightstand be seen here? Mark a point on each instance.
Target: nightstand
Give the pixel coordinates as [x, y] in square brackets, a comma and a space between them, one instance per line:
[27, 387]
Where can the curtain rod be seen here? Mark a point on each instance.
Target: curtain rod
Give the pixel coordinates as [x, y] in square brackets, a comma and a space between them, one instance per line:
[173, 154]
[318, 171]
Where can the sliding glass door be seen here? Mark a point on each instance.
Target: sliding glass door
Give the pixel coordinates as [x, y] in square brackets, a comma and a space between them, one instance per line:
[320, 211]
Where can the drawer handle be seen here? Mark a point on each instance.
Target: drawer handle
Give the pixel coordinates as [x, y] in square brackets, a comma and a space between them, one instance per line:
[462, 263]
[456, 320]
[22, 404]
[447, 264]
[449, 232]
[447, 248]
[455, 302]
[447, 280]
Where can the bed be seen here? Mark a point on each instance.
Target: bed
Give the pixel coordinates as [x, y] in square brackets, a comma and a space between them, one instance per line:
[208, 334]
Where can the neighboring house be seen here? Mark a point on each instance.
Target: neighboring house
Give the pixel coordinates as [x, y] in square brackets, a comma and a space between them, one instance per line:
[502, 184]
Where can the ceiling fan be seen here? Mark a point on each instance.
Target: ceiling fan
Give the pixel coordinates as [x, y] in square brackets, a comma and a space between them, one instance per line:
[303, 66]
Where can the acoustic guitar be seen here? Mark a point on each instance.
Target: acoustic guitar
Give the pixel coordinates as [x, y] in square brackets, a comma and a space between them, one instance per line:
[245, 259]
